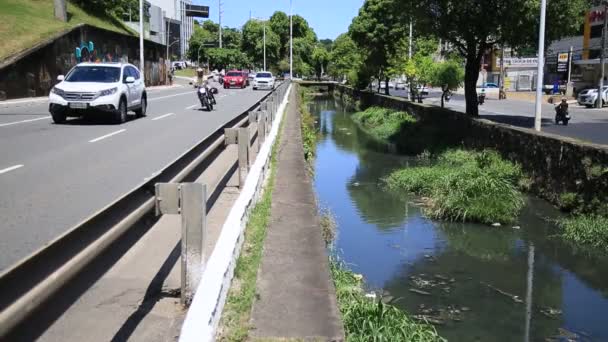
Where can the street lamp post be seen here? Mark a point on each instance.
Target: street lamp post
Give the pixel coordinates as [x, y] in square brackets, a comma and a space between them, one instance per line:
[264, 22]
[541, 64]
[290, 39]
[141, 40]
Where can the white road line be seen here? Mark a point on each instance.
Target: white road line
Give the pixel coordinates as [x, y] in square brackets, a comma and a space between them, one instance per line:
[107, 136]
[164, 97]
[162, 116]
[193, 106]
[10, 169]
[24, 121]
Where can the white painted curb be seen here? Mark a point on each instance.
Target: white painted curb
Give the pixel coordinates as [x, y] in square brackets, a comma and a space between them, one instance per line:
[205, 311]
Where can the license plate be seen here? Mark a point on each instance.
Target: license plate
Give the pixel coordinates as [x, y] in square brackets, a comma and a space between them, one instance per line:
[78, 105]
[232, 82]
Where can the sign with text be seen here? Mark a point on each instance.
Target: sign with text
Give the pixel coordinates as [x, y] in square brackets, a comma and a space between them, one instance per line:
[562, 62]
[519, 62]
[197, 11]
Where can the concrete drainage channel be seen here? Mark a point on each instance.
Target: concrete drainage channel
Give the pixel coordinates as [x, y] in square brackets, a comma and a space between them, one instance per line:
[40, 288]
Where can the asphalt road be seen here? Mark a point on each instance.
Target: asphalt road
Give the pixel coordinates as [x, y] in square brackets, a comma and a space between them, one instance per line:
[589, 125]
[54, 176]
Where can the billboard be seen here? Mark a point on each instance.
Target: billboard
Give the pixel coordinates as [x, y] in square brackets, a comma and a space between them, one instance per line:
[197, 11]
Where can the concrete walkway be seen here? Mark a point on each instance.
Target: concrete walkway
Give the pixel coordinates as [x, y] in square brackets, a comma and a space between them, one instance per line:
[296, 297]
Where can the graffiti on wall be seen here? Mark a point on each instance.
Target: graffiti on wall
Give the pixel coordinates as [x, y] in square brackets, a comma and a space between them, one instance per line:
[86, 52]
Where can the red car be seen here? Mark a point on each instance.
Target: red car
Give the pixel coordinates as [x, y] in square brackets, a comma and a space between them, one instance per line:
[235, 78]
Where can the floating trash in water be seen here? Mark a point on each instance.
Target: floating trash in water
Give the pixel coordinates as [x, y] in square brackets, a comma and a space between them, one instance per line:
[496, 224]
[420, 292]
[356, 184]
[516, 227]
[371, 295]
[551, 312]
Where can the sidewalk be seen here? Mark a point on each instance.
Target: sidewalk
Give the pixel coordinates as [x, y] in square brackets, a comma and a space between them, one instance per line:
[296, 297]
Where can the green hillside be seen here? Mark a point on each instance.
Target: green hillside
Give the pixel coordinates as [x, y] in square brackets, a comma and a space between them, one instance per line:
[23, 23]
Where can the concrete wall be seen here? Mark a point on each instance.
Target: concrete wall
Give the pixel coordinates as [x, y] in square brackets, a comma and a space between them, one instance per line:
[34, 72]
[556, 164]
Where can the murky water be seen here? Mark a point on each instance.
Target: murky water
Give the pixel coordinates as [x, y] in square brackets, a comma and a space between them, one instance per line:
[477, 283]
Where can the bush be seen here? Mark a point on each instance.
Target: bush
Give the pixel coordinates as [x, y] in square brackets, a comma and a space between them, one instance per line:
[465, 186]
[383, 123]
[367, 319]
[586, 230]
[308, 127]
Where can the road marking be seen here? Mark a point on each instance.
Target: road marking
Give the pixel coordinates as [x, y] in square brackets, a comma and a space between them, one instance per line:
[24, 121]
[167, 96]
[10, 169]
[191, 107]
[107, 136]
[163, 116]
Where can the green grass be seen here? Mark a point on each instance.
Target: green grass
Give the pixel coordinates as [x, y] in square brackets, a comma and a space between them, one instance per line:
[27, 22]
[310, 133]
[586, 230]
[368, 319]
[465, 186]
[383, 123]
[188, 72]
[234, 324]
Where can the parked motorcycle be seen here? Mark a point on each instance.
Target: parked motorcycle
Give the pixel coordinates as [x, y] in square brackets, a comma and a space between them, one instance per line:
[562, 114]
[207, 99]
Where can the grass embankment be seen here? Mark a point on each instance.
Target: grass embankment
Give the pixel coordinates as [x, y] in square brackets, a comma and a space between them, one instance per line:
[234, 324]
[383, 123]
[369, 319]
[587, 224]
[27, 22]
[463, 185]
[308, 126]
[188, 72]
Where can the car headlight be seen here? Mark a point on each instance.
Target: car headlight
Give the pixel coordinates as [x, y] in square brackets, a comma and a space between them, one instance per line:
[108, 92]
[58, 91]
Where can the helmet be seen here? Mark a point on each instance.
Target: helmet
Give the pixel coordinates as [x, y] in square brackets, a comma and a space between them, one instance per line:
[564, 99]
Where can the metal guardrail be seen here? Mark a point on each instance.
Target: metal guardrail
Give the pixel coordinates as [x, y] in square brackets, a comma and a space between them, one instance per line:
[33, 281]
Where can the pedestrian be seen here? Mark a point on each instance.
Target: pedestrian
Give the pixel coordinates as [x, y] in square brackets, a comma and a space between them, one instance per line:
[170, 76]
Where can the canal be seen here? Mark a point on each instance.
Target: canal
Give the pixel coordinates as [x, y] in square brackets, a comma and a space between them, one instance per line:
[473, 282]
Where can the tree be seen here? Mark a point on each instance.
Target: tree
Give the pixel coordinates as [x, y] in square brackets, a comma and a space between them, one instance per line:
[253, 43]
[320, 59]
[227, 59]
[419, 71]
[464, 24]
[279, 23]
[449, 76]
[345, 59]
[328, 44]
[376, 30]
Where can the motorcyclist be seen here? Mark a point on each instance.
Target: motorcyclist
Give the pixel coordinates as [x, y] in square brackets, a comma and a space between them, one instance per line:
[482, 96]
[562, 108]
[199, 76]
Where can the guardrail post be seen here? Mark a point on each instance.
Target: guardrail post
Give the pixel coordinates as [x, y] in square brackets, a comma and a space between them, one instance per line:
[253, 117]
[261, 129]
[263, 106]
[189, 200]
[243, 141]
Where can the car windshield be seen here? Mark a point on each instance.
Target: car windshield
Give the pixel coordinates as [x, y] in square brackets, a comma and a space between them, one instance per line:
[103, 74]
[263, 75]
[234, 73]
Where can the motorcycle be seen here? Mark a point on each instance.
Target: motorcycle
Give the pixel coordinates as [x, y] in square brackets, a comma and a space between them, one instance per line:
[561, 115]
[481, 98]
[206, 97]
[448, 96]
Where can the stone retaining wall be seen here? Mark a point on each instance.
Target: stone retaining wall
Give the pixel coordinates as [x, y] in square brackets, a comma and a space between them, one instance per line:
[34, 72]
[556, 164]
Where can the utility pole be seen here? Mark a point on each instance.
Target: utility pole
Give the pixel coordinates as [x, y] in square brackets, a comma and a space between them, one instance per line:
[541, 64]
[290, 40]
[265, 46]
[410, 44]
[219, 5]
[141, 41]
[61, 12]
[569, 91]
[600, 91]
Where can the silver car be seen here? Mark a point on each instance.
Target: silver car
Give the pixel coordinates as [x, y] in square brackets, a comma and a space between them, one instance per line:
[588, 97]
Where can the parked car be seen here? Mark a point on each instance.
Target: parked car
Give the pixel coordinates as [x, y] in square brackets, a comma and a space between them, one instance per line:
[423, 90]
[400, 85]
[263, 80]
[112, 88]
[588, 97]
[235, 78]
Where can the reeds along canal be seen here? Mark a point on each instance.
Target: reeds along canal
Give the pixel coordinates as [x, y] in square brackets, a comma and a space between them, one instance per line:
[473, 282]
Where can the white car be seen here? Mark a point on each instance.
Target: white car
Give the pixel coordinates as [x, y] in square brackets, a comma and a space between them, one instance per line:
[588, 97]
[263, 80]
[112, 88]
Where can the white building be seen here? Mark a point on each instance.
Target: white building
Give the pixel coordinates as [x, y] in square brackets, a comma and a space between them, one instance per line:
[175, 12]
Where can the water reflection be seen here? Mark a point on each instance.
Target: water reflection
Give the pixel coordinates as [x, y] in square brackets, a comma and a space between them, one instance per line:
[477, 283]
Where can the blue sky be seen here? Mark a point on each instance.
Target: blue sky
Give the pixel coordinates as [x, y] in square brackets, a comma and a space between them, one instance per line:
[329, 18]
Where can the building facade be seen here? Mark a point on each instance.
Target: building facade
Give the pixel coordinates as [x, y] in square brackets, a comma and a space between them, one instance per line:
[175, 14]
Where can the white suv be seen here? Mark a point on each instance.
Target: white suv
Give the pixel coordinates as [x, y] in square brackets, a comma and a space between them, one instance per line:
[112, 88]
[263, 80]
